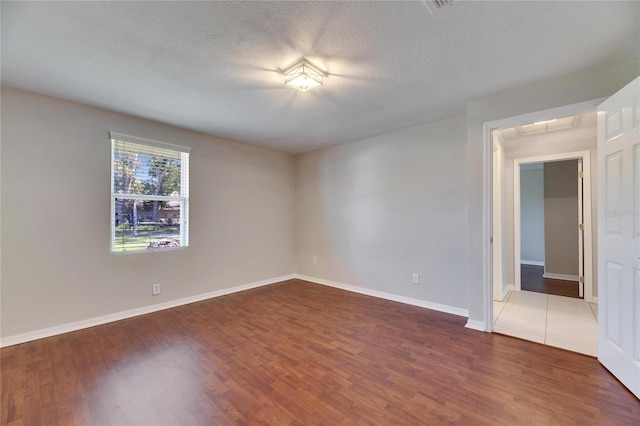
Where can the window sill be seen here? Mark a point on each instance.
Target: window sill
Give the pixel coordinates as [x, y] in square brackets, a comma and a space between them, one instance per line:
[149, 250]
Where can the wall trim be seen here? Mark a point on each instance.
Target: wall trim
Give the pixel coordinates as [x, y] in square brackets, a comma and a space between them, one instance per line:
[595, 300]
[388, 296]
[475, 325]
[92, 322]
[506, 290]
[104, 319]
[560, 276]
[532, 262]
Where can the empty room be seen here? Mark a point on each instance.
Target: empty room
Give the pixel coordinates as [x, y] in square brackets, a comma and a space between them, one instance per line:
[293, 213]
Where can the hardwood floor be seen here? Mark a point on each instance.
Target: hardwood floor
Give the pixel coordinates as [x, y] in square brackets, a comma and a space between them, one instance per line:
[304, 354]
[532, 279]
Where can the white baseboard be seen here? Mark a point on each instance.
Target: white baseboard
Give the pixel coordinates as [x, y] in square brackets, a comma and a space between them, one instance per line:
[388, 296]
[91, 322]
[560, 276]
[532, 262]
[594, 300]
[475, 325]
[505, 291]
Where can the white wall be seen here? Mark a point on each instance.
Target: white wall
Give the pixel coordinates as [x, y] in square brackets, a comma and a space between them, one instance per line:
[580, 87]
[377, 210]
[56, 267]
[532, 215]
[561, 205]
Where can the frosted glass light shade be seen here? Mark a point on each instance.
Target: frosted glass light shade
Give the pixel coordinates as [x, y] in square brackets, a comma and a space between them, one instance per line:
[303, 76]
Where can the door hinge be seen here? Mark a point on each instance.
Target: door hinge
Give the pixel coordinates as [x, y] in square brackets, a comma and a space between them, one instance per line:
[581, 226]
[580, 174]
[581, 280]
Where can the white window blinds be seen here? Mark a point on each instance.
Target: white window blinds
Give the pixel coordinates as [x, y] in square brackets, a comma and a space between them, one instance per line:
[149, 195]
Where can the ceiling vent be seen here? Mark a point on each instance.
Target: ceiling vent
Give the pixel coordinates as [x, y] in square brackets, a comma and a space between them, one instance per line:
[433, 5]
[439, 3]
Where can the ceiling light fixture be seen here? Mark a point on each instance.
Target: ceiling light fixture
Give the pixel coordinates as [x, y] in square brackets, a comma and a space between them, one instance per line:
[548, 125]
[303, 76]
[545, 121]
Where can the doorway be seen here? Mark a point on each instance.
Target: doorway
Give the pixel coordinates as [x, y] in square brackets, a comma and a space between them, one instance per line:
[509, 154]
[568, 242]
[549, 217]
[550, 319]
[549, 194]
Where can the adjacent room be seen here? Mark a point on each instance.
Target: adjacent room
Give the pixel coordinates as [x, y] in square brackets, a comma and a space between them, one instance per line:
[546, 290]
[285, 213]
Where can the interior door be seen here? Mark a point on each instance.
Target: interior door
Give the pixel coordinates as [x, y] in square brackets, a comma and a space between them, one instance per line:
[619, 235]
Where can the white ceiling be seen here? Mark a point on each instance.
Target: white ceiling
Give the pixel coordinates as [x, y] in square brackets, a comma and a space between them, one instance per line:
[214, 66]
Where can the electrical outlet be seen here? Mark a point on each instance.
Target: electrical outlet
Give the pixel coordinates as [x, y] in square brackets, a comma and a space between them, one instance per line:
[155, 289]
[416, 278]
[314, 260]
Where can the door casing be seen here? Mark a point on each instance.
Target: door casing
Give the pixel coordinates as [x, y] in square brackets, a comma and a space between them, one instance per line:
[487, 193]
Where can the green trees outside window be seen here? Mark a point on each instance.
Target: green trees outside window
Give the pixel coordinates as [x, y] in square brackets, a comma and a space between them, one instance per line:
[149, 196]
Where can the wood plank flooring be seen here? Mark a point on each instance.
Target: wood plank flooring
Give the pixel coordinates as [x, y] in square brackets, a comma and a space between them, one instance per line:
[532, 279]
[297, 353]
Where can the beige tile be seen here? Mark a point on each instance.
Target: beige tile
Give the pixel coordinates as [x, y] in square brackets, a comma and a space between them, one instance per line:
[570, 306]
[522, 329]
[524, 316]
[497, 309]
[527, 299]
[577, 336]
[562, 322]
[525, 305]
[571, 325]
[594, 309]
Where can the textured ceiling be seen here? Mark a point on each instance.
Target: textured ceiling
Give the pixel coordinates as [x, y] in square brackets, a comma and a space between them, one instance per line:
[214, 66]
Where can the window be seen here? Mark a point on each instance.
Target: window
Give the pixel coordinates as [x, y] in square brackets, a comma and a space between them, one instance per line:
[149, 195]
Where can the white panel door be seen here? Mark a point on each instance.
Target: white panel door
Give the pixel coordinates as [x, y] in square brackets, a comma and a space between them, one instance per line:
[619, 235]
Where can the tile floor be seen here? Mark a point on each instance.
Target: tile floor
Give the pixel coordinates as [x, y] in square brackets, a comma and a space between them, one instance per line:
[563, 322]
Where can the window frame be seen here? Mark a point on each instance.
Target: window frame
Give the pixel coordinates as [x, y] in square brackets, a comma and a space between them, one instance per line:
[183, 198]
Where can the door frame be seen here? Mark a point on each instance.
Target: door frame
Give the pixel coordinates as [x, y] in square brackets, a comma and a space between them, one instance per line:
[487, 193]
[585, 156]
